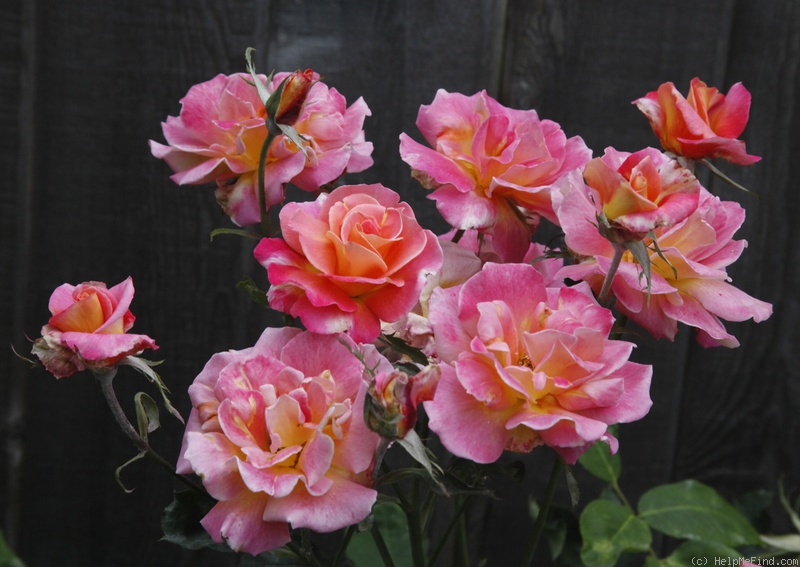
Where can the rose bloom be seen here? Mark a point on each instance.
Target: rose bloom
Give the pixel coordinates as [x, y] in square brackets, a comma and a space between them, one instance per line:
[349, 260]
[490, 166]
[277, 435]
[689, 283]
[524, 365]
[641, 191]
[89, 328]
[221, 129]
[706, 124]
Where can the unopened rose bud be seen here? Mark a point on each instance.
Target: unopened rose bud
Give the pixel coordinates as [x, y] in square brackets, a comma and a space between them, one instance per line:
[391, 408]
[286, 102]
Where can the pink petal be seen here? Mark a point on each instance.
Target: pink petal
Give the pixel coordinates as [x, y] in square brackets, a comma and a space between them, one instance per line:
[344, 504]
[94, 347]
[465, 426]
[238, 523]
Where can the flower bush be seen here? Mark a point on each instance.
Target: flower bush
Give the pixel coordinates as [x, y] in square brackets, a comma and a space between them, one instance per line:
[481, 337]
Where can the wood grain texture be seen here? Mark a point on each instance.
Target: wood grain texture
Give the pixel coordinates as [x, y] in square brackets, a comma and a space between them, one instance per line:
[14, 151]
[86, 83]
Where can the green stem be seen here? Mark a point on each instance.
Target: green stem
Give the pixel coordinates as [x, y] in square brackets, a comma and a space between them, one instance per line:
[377, 537]
[605, 291]
[453, 522]
[348, 535]
[621, 495]
[538, 527]
[302, 553]
[463, 544]
[415, 528]
[262, 197]
[106, 380]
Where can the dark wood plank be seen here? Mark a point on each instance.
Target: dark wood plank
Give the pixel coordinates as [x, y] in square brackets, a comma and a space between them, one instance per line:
[15, 57]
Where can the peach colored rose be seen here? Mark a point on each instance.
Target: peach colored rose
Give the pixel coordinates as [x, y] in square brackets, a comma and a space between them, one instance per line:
[491, 166]
[277, 435]
[349, 260]
[706, 124]
[639, 192]
[524, 365]
[88, 328]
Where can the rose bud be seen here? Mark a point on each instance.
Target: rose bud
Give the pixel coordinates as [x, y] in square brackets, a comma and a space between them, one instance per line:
[286, 103]
[89, 328]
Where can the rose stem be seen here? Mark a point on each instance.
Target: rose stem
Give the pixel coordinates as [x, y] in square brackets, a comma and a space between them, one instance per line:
[106, 385]
[605, 291]
[538, 527]
[262, 198]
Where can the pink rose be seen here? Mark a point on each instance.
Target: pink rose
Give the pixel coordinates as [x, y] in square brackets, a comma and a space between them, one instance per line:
[706, 125]
[349, 260]
[689, 283]
[490, 166]
[221, 129]
[277, 435]
[88, 328]
[524, 365]
[641, 191]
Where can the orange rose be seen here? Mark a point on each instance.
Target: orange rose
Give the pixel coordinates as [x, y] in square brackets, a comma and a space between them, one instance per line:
[704, 125]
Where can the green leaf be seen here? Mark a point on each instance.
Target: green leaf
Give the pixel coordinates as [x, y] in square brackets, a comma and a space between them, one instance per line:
[181, 521]
[258, 295]
[118, 472]
[236, 231]
[609, 529]
[403, 347]
[146, 414]
[692, 553]
[692, 510]
[295, 137]
[145, 368]
[563, 535]
[788, 507]
[263, 93]
[572, 487]
[788, 542]
[642, 255]
[599, 461]
[391, 521]
[7, 556]
[414, 447]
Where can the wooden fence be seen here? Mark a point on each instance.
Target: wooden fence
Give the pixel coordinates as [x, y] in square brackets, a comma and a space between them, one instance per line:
[86, 83]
